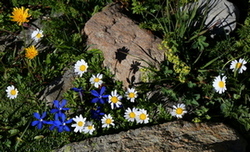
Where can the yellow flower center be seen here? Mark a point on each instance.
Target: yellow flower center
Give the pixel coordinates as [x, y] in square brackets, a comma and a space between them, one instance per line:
[90, 127]
[96, 80]
[13, 92]
[221, 84]
[143, 116]
[238, 65]
[31, 52]
[108, 121]
[114, 99]
[80, 123]
[179, 111]
[132, 115]
[39, 35]
[82, 67]
[131, 95]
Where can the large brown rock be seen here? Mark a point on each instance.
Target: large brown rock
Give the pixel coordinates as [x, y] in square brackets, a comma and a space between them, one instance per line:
[125, 46]
[177, 136]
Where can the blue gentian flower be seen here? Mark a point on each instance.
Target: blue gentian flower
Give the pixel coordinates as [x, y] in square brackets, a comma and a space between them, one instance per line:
[53, 124]
[97, 114]
[39, 123]
[59, 108]
[79, 90]
[99, 96]
[61, 124]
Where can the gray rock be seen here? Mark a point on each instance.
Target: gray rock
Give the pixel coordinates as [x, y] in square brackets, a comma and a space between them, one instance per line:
[221, 15]
[126, 47]
[177, 136]
[59, 86]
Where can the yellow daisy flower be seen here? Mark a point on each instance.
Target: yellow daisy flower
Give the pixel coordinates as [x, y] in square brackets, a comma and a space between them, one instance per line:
[20, 15]
[12, 92]
[238, 65]
[178, 111]
[114, 99]
[130, 115]
[131, 94]
[219, 84]
[142, 116]
[107, 121]
[81, 67]
[31, 52]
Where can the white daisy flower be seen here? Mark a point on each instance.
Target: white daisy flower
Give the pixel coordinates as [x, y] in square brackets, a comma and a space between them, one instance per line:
[131, 94]
[220, 84]
[96, 80]
[80, 122]
[81, 67]
[142, 116]
[12, 92]
[37, 35]
[107, 120]
[89, 128]
[178, 111]
[114, 99]
[240, 66]
[130, 115]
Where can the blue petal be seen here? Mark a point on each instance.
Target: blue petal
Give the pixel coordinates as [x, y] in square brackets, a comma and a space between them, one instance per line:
[64, 102]
[63, 117]
[66, 128]
[95, 93]
[60, 129]
[65, 109]
[95, 100]
[40, 125]
[102, 101]
[59, 115]
[43, 115]
[54, 110]
[37, 115]
[50, 122]
[105, 96]
[33, 123]
[102, 90]
[56, 116]
[101, 113]
[56, 103]
[57, 123]
[75, 89]
[68, 121]
[52, 127]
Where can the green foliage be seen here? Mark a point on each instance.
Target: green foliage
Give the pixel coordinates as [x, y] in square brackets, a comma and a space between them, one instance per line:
[62, 45]
[193, 60]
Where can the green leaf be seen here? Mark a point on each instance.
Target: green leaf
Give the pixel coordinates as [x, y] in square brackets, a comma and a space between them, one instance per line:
[13, 132]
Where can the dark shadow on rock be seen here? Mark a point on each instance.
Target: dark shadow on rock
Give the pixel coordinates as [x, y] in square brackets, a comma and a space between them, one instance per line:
[227, 146]
[131, 81]
[121, 54]
[135, 66]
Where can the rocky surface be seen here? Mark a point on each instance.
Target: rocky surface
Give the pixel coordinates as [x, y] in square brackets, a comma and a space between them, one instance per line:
[56, 89]
[126, 47]
[177, 136]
